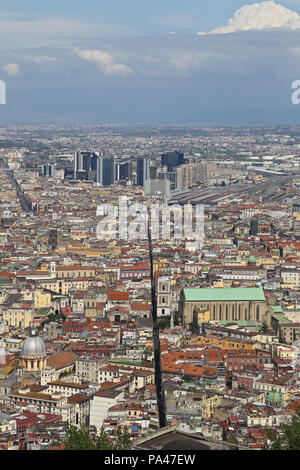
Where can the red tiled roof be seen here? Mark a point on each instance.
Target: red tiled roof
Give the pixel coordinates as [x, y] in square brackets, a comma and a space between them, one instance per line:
[61, 359]
[117, 296]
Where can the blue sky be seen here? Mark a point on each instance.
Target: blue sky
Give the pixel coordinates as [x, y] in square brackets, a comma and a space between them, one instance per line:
[217, 62]
[138, 14]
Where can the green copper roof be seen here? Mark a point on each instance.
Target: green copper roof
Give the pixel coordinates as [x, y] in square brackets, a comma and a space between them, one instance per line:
[281, 318]
[248, 323]
[274, 397]
[277, 308]
[6, 281]
[223, 294]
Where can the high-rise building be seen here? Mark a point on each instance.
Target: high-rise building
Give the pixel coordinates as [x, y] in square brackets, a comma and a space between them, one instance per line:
[172, 159]
[142, 170]
[192, 174]
[123, 170]
[99, 170]
[108, 171]
[48, 170]
[85, 165]
[167, 175]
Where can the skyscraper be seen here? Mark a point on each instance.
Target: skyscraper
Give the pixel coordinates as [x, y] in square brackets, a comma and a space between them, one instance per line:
[122, 170]
[48, 170]
[86, 165]
[172, 159]
[108, 171]
[142, 170]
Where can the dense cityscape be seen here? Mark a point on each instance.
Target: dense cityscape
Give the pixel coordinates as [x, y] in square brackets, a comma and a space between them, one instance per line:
[77, 342]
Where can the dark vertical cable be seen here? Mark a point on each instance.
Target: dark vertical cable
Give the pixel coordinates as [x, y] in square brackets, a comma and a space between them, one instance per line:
[156, 342]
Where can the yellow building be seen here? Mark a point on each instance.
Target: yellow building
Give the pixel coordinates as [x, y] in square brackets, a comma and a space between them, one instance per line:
[12, 343]
[75, 271]
[62, 286]
[19, 317]
[208, 404]
[42, 299]
[200, 316]
[7, 365]
[223, 343]
[261, 261]
[8, 425]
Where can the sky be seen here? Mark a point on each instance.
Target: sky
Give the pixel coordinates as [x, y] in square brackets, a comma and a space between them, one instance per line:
[213, 63]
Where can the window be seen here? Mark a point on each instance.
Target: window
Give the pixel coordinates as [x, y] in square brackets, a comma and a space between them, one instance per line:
[257, 313]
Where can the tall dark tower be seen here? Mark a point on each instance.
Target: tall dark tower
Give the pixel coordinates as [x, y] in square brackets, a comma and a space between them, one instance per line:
[85, 165]
[108, 171]
[142, 171]
[172, 159]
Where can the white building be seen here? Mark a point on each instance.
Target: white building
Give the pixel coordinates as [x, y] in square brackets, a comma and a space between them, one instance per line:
[100, 404]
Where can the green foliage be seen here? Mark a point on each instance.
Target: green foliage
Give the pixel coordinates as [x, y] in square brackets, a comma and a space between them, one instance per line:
[66, 373]
[53, 317]
[147, 354]
[264, 327]
[80, 439]
[289, 438]
[164, 322]
[176, 319]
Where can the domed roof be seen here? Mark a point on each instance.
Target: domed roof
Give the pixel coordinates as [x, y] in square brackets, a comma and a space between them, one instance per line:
[33, 345]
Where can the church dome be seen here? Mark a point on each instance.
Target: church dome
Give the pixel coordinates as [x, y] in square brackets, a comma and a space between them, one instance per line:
[33, 345]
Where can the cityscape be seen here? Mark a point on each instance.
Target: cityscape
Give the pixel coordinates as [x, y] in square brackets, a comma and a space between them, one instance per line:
[150, 278]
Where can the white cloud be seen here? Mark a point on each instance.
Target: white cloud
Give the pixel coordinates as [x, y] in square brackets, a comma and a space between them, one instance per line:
[44, 59]
[105, 61]
[12, 69]
[260, 16]
[49, 31]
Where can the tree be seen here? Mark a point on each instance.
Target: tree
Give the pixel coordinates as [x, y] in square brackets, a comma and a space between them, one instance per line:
[80, 439]
[52, 317]
[264, 327]
[176, 318]
[289, 438]
[164, 323]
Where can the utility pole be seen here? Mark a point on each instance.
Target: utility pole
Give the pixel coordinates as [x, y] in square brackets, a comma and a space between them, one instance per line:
[156, 342]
